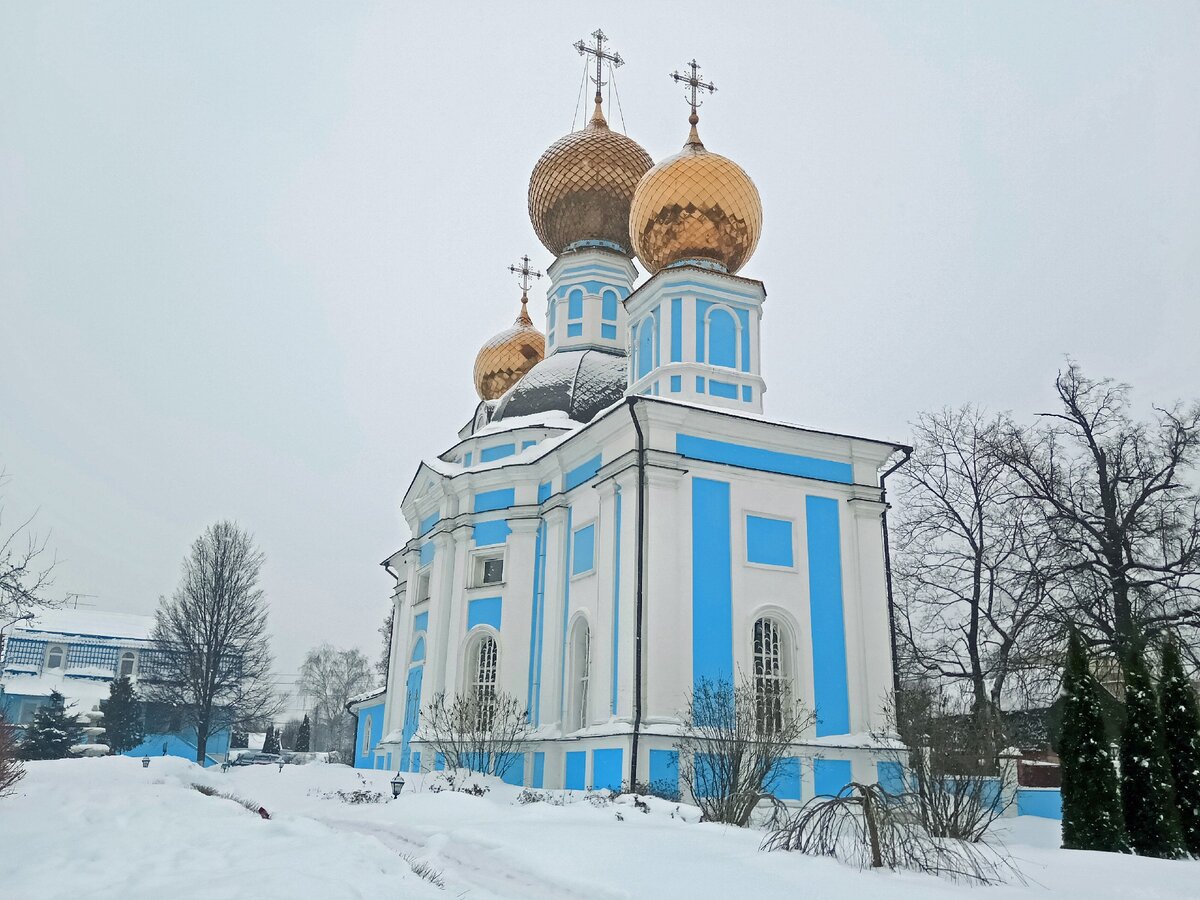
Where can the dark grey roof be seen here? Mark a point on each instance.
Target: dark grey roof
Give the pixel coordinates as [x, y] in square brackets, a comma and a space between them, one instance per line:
[581, 383]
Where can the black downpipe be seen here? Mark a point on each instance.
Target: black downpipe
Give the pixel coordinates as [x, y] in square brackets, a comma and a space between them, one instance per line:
[639, 566]
[887, 566]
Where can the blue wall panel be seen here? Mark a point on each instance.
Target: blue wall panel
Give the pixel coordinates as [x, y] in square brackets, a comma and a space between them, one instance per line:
[486, 534]
[426, 553]
[1046, 803]
[375, 734]
[831, 692]
[664, 771]
[539, 770]
[712, 586]
[486, 501]
[830, 776]
[583, 550]
[421, 622]
[722, 389]
[426, 524]
[581, 473]
[784, 780]
[768, 541]
[676, 329]
[748, 457]
[497, 451]
[484, 611]
[412, 711]
[606, 769]
[576, 771]
[515, 773]
[890, 775]
[536, 624]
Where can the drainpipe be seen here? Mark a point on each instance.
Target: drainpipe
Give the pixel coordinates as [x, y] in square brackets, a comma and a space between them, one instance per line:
[887, 565]
[639, 568]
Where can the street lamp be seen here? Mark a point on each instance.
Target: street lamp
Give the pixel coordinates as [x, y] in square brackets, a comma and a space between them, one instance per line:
[145, 762]
[397, 786]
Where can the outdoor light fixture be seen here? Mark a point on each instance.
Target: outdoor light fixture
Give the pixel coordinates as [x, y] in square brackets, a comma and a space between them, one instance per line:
[145, 762]
[397, 786]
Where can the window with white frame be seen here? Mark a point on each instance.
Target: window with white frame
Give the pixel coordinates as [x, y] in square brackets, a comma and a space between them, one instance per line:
[422, 587]
[56, 658]
[581, 671]
[488, 569]
[125, 670]
[770, 674]
[368, 724]
[484, 661]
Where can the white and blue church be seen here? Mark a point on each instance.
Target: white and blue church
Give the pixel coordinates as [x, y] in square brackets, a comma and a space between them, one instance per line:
[619, 519]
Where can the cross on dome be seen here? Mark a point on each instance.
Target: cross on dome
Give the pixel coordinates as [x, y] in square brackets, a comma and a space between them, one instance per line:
[694, 86]
[602, 56]
[524, 272]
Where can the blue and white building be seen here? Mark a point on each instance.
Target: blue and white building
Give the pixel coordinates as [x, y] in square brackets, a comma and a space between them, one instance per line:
[624, 520]
[79, 653]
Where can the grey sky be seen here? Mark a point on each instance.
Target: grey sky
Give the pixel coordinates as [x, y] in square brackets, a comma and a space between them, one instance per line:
[248, 251]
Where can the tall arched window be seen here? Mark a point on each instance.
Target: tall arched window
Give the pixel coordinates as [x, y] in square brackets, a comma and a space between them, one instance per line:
[722, 338]
[55, 658]
[770, 674]
[484, 663]
[368, 724]
[126, 667]
[581, 672]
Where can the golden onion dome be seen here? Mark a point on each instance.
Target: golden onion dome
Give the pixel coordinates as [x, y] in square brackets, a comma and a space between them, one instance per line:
[505, 358]
[581, 188]
[696, 206]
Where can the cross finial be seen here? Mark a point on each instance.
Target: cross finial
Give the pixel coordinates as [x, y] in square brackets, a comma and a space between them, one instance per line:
[602, 56]
[693, 87]
[525, 273]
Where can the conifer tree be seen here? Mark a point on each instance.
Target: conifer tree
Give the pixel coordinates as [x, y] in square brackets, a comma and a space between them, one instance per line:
[1091, 815]
[52, 733]
[1151, 820]
[123, 725]
[303, 736]
[238, 740]
[1181, 727]
[271, 741]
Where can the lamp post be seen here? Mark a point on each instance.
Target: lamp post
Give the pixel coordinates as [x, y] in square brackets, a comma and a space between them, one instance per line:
[145, 762]
[397, 786]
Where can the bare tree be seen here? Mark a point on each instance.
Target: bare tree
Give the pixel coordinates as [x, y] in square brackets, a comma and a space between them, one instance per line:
[734, 737]
[25, 571]
[11, 768]
[973, 563]
[385, 654]
[480, 731]
[1120, 502]
[213, 661]
[330, 678]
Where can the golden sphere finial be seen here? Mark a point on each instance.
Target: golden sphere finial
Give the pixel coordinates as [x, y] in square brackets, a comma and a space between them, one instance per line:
[505, 358]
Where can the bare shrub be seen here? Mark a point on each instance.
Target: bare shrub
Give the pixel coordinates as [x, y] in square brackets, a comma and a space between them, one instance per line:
[735, 735]
[209, 791]
[11, 768]
[481, 732]
[423, 869]
[866, 827]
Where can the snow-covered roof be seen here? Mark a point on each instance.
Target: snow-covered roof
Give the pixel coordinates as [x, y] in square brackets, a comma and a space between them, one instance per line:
[88, 623]
[83, 692]
[553, 418]
[365, 696]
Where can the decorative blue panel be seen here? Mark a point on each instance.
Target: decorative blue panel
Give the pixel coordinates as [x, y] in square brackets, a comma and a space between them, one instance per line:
[744, 319]
[581, 473]
[412, 713]
[609, 332]
[784, 780]
[425, 554]
[488, 533]
[676, 384]
[768, 541]
[416, 761]
[712, 591]
[525, 445]
[439, 762]
[536, 624]
[421, 623]
[830, 689]
[543, 492]
[539, 769]
[722, 339]
[699, 384]
[484, 611]
[1046, 803]
[608, 304]
[497, 451]
[576, 771]
[747, 394]
[664, 772]
[748, 457]
[427, 524]
[553, 310]
[486, 501]
[467, 459]
[607, 769]
[830, 776]
[890, 775]
[676, 329]
[575, 305]
[722, 389]
[583, 552]
[514, 773]
[418, 653]
[645, 347]
[574, 329]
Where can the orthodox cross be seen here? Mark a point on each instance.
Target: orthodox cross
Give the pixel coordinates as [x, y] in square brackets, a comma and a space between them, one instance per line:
[694, 85]
[602, 55]
[525, 273]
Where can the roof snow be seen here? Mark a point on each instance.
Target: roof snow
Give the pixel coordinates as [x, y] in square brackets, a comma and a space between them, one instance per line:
[90, 623]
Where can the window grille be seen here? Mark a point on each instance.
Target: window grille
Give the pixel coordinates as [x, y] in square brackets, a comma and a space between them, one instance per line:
[92, 656]
[585, 672]
[24, 652]
[485, 681]
[769, 678]
[153, 663]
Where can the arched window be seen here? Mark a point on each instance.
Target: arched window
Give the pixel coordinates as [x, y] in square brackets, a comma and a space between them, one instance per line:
[126, 668]
[483, 668]
[770, 674]
[645, 347]
[722, 338]
[581, 671]
[55, 658]
[368, 724]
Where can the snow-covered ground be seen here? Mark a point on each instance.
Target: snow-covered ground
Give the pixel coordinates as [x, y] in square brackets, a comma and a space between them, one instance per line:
[107, 828]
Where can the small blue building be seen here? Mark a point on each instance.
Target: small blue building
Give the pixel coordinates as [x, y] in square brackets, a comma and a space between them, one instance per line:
[78, 653]
[368, 709]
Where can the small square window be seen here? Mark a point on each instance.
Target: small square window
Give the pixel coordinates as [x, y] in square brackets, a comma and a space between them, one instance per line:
[488, 569]
[422, 587]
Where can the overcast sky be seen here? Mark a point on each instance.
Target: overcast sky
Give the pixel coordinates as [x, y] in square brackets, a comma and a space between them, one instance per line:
[248, 251]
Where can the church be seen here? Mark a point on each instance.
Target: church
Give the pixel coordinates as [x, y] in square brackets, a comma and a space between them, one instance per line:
[620, 519]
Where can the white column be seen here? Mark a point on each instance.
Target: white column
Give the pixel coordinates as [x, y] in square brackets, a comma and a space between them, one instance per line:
[456, 615]
[517, 613]
[667, 608]
[868, 631]
[552, 650]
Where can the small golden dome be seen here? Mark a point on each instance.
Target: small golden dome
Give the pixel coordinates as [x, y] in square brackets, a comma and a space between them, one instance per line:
[695, 206]
[505, 358]
[581, 188]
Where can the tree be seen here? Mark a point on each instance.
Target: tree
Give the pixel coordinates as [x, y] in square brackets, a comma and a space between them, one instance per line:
[25, 572]
[52, 733]
[214, 660]
[1181, 726]
[303, 736]
[330, 678]
[11, 770]
[1147, 791]
[480, 731]
[124, 727]
[385, 654]
[1091, 800]
[970, 563]
[733, 743]
[271, 741]
[1115, 496]
[238, 739]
